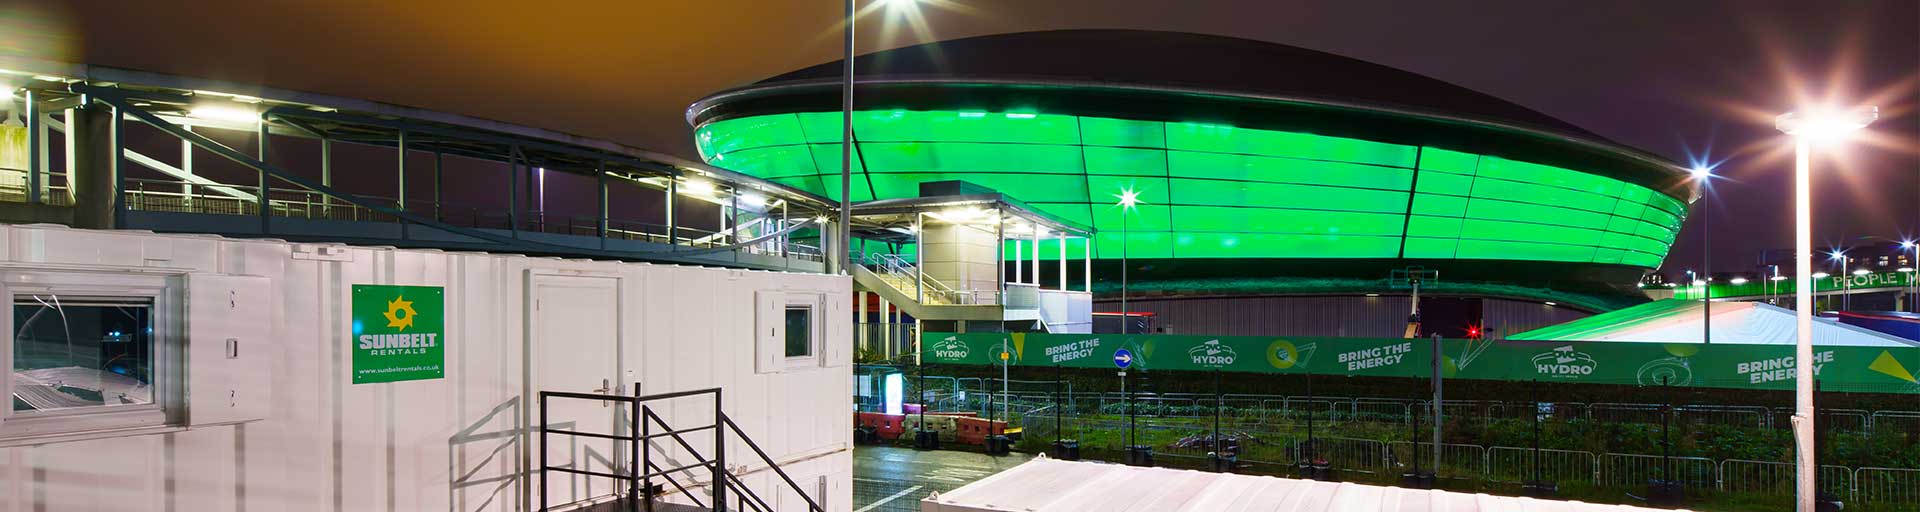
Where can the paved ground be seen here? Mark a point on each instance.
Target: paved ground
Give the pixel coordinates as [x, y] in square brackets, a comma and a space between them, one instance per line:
[888, 479]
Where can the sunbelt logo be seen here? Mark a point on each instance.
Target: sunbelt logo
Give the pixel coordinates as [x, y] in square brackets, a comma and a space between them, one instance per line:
[1212, 353]
[1564, 362]
[951, 348]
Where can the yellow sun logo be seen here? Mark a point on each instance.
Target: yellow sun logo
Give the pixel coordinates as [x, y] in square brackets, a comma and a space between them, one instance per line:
[395, 318]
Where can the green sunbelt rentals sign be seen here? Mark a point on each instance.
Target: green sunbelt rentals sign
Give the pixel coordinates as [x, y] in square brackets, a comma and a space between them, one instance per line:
[1855, 369]
[399, 333]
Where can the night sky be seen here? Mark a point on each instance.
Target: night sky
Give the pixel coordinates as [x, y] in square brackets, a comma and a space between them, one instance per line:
[1675, 78]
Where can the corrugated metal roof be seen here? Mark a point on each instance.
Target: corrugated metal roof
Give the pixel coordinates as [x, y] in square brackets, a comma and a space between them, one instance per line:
[1047, 485]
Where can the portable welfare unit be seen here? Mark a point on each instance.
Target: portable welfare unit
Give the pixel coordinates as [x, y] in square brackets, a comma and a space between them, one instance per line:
[1048, 485]
[186, 372]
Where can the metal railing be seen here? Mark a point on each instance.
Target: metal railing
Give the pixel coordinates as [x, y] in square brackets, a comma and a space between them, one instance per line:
[1268, 431]
[908, 278]
[643, 469]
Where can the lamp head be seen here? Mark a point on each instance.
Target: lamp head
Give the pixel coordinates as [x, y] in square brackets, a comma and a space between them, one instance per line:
[1825, 124]
[1128, 198]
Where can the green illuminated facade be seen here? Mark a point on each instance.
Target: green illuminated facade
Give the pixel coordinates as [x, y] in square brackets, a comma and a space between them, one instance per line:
[1219, 191]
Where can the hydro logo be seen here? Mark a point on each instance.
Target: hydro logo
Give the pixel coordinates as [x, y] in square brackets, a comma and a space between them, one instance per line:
[1564, 362]
[1212, 354]
[951, 348]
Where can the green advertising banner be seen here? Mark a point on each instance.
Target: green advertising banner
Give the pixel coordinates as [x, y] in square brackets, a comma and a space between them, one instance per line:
[1854, 369]
[399, 333]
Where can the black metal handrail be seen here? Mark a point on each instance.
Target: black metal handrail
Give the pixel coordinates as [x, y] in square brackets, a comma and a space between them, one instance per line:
[642, 469]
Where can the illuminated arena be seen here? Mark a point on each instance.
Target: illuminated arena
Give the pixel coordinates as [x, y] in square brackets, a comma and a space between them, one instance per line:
[1261, 169]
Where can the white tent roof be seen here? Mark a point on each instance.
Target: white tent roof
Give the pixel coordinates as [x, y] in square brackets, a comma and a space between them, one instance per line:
[1680, 321]
[1046, 485]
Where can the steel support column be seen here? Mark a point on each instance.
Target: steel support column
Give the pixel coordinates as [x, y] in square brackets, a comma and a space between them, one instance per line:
[1063, 261]
[513, 191]
[35, 139]
[673, 222]
[265, 200]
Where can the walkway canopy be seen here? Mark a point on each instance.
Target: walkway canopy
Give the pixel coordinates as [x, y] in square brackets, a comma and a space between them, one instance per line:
[1047, 485]
[1681, 321]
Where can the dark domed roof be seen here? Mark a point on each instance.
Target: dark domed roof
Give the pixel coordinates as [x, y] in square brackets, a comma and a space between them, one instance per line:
[1184, 60]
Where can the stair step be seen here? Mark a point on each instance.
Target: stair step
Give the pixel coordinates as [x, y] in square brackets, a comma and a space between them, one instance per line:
[623, 505]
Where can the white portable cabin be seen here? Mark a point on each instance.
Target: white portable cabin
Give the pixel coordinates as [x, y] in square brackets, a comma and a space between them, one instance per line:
[1046, 485]
[253, 405]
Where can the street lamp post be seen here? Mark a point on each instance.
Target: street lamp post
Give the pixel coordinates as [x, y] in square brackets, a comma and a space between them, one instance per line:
[844, 260]
[1907, 272]
[1846, 283]
[844, 233]
[1128, 198]
[1704, 175]
[1806, 128]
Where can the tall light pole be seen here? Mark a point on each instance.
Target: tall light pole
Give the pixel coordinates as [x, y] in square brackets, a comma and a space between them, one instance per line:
[1805, 129]
[844, 260]
[1907, 271]
[1846, 281]
[844, 233]
[1128, 198]
[1703, 175]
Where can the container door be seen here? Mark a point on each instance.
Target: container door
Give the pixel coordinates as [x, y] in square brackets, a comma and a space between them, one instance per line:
[575, 327]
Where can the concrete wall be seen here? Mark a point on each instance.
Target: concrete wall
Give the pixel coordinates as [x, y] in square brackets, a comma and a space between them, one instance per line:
[960, 256]
[459, 443]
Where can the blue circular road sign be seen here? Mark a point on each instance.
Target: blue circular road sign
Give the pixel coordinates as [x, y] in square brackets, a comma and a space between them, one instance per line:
[1122, 358]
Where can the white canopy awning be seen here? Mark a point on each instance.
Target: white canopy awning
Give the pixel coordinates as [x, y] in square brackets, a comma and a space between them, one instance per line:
[1046, 485]
[1734, 322]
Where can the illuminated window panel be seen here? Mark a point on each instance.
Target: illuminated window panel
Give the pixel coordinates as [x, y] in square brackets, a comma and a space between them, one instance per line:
[1441, 160]
[970, 157]
[1441, 227]
[772, 161]
[748, 132]
[1278, 220]
[1481, 229]
[1144, 217]
[1434, 248]
[1050, 257]
[1533, 213]
[906, 126]
[1215, 191]
[1126, 133]
[1511, 250]
[1238, 193]
[1442, 183]
[1266, 245]
[862, 191]
[1139, 244]
[1286, 170]
[826, 157]
[1127, 161]
[1547, 175]
[1038, 188]
[1433, 204]
[1216, 138]
[1107, 189]
[1517, 192]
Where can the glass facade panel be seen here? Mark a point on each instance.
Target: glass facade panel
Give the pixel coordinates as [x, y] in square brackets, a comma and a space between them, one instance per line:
[1218, 191]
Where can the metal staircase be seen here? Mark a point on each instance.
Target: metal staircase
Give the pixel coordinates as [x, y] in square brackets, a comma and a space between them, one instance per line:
[643, 429]
[904, 285]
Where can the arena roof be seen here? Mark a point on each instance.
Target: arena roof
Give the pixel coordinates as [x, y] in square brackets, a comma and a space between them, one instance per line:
[1201, 61]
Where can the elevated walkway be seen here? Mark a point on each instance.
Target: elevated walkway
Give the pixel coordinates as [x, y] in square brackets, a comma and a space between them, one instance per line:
[406, 177]
[958, 270]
